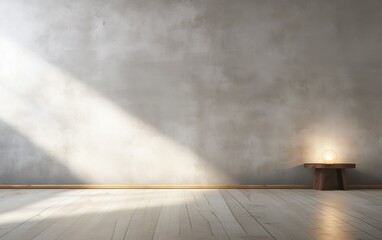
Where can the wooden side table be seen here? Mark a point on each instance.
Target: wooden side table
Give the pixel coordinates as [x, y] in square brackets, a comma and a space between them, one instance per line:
[330, 176]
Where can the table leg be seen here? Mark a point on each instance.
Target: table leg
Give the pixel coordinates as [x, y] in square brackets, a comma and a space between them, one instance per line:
[319, 178]
[342, 179]
[327, 179]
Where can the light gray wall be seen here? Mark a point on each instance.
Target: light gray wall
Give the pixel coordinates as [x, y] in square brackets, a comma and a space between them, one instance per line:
[188, 92]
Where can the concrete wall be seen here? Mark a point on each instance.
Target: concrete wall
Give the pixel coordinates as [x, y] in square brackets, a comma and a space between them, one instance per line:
[188, 92]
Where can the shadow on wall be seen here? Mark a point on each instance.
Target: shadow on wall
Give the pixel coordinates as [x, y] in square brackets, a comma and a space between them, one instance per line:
[182, 68]
[23, 162]
[367, 111]
[356, 176]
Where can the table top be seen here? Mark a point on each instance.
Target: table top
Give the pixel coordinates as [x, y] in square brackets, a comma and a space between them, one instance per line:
[329, 165]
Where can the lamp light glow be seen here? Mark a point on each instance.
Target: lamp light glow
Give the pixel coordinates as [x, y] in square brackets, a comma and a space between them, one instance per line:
[329, 156]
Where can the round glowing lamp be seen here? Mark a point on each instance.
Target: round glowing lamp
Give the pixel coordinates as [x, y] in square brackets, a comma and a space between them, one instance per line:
[329, 156]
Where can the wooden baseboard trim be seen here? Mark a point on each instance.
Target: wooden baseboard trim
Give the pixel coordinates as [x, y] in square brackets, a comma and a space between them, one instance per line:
[234, 186]
[82, 186]
[372, 186]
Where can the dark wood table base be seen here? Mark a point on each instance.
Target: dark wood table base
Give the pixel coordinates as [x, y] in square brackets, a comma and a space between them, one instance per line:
[330, 176]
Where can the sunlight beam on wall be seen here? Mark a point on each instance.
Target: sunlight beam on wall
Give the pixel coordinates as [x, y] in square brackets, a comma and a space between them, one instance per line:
[96, 140]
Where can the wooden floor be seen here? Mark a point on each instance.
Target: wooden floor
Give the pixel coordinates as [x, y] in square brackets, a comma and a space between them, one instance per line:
[190, 214]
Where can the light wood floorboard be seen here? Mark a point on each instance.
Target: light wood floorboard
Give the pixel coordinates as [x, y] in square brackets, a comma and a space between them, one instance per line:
[189, 214]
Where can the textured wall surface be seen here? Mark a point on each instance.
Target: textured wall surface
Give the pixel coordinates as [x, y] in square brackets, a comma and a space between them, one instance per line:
[188, 92]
